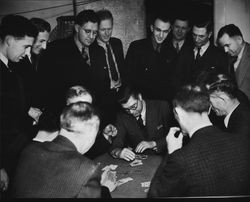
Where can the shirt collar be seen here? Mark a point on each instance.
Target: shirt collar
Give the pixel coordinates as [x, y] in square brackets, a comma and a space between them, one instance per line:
[4, 59]
[199, 127]
[226, 120]
[203, 48]
[180, 43]
[101, 43]
[143, 112]
[241, 52]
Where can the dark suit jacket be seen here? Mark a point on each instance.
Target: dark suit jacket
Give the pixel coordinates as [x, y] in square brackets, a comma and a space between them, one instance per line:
[213, 163]
[56, 170]
[177, 71]
[61, 67]
[105, 97]
[158, 122]
[27, 71]
[15, 124]
[213, 60]
[243, 72]
[99, 65]
[146, 69]
[239, 120]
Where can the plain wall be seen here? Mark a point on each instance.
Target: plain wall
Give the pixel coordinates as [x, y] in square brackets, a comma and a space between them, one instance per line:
[233, 11]
[129, 15]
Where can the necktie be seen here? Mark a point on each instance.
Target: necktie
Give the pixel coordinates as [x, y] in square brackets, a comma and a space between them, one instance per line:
[85, 54]
[158, 48]
[198, 55]
[177, 47]
[111, 63]
[140, 122]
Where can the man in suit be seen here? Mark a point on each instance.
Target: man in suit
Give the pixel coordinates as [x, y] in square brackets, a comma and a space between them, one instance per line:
[66, 62]
[146, 60]
[48, 125]
[231, 39]
[206, 57]
[107, 66]
[178, 46]
[212, 163]
[141, 127]
[15, 128]
[27, 68]
[225, 100]
[59, 168]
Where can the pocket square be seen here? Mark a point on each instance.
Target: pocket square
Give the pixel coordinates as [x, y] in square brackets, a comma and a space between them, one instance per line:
[159, 127]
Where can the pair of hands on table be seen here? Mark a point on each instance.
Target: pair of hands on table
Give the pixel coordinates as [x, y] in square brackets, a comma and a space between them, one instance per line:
[128, 155]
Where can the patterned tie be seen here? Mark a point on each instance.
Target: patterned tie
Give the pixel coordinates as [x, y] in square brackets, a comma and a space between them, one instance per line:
[140, 122]
[111, 63]
[85, 54]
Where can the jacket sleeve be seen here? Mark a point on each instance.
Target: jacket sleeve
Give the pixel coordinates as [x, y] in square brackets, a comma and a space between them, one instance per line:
[91, 187]
[167, 180]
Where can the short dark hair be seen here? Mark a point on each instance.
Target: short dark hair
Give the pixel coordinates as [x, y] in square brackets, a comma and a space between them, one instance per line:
[17, 26]
[125, 92]
[79, 111]
[182, 17]
[104, 14]
[222, 83]
[231, 29]
[86, 16]
[204, 24]
[192, 98]
[41, 24]
[161, 16]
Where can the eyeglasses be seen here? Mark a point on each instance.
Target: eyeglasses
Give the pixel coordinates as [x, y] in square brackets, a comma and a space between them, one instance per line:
[132, 107]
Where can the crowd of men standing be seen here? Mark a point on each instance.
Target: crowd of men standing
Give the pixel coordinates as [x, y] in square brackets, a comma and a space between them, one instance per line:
[36, 74]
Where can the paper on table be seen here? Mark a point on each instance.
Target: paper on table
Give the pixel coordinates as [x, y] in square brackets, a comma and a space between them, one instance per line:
[124, 180]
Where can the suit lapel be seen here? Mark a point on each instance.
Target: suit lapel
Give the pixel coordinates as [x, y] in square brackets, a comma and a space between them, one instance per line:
[244, 65]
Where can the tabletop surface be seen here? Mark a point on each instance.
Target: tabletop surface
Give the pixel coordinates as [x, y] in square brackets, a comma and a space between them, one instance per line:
[141, 173]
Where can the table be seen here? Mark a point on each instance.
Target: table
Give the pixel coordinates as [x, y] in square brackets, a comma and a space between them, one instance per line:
[140, 173]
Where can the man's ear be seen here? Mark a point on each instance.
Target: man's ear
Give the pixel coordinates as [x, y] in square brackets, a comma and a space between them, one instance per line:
[76, 27]
[9, 40]
[151, 28]
[139, 96]
[209, 34]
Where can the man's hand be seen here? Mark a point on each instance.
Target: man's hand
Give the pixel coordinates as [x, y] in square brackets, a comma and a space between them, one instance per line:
[109, 131]
[35, 113]
[127, 154]
[4, 180]
[143, 145]
[174, 143]
[109, 179]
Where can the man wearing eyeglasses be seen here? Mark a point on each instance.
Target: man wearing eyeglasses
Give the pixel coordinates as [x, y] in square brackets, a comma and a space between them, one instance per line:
[206, 56]
[66, 62]
[141, 126]
[146, 60]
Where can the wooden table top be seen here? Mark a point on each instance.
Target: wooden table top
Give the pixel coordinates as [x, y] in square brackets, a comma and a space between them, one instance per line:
[140, 173]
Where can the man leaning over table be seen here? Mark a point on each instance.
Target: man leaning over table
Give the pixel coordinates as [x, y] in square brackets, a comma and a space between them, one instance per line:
[145, 136]
[60, 169]
[212, 163]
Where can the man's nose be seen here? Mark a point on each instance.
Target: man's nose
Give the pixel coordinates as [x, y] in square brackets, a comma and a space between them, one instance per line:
[226, 49]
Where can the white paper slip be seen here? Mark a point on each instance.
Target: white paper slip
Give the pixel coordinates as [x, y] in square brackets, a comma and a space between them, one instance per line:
[124, 180]
[145, 184]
